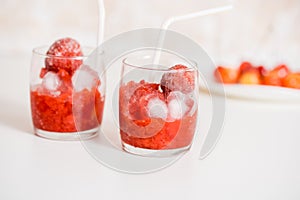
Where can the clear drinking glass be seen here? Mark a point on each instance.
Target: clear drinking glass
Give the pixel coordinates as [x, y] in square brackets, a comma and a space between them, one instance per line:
[66, 106]
[158, 106]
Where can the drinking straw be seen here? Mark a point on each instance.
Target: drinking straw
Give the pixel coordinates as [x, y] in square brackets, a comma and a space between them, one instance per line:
[201, 13]
[101, 22]
[174, 19]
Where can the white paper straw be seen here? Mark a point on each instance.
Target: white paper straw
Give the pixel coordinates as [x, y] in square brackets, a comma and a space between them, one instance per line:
[101, 22]
[201, 13]
[174, 19]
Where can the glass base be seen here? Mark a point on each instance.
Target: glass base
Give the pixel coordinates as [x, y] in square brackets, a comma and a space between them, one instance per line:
[152, 152]
[81, 135]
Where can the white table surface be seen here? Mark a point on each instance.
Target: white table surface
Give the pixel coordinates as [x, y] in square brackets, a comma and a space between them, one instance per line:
[257, 157]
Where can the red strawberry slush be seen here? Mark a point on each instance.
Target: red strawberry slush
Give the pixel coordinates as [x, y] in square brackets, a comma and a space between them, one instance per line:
[53, 108]
[159, 115]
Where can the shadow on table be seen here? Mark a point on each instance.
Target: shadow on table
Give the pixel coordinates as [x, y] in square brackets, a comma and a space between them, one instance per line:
[15, 116]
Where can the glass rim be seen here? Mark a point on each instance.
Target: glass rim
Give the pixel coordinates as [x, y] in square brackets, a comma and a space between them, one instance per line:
[191, 62]
[38, 51]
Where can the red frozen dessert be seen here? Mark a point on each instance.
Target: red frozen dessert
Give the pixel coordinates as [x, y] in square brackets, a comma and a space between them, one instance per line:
[68, 99]
[151, 118]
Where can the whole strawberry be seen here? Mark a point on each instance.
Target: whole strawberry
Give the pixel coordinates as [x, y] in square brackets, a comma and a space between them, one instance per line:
[140, 102]
[179, 78]
[62, 55]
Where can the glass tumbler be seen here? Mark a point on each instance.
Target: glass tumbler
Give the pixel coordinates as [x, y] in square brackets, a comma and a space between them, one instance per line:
[158, 103]
[66, 105]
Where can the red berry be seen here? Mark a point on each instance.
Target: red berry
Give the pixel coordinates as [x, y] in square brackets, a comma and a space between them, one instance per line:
[245, 66]
[262, 70]
[275, 77]
[180, 78]
[292, 81]
[250, 74]
[139, 100]
[226, 75]
[251, 77]
[61, 55]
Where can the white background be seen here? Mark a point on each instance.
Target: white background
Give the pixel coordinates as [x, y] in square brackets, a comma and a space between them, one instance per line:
[256, 158]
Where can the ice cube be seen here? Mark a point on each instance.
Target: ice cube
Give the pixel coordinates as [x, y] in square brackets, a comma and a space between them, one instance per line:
[84, 78]
[192, 104]
[177, 105]
[157, 108]
[51, 83]
[176, 109]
